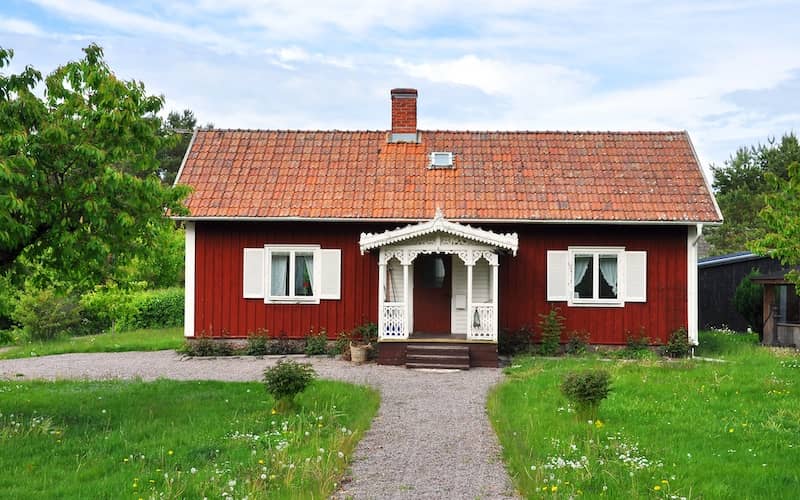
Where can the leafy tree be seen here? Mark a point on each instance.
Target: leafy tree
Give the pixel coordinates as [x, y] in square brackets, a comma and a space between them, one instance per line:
[781, 215]
[741, 186]
[171, 155]
[79, 186]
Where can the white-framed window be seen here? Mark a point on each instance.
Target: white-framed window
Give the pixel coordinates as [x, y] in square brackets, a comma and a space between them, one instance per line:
[596, 276]
[294, 274]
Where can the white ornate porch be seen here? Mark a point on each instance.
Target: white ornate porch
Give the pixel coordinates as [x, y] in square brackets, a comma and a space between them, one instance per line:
[474, 312]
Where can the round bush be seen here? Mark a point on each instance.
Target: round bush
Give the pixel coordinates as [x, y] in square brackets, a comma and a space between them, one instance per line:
[287, 378]
[587, 388]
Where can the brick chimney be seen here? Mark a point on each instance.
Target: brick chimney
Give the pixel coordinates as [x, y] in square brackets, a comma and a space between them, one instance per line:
[404, 115]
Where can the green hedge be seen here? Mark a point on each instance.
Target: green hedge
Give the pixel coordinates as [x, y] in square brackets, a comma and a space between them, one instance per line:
[156, 308]
[117, 309]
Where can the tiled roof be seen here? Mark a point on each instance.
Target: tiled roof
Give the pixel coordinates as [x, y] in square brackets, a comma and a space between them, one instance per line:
[594, 176]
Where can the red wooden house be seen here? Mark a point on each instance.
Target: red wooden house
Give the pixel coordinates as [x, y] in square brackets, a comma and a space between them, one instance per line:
[442, 237]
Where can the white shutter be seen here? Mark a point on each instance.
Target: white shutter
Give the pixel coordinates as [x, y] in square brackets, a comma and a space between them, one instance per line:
[557, 275]
[330, 277]
[635, 277]
[253, 273]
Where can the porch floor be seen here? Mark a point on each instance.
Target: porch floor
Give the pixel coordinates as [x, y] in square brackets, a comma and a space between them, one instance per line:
[459, 338]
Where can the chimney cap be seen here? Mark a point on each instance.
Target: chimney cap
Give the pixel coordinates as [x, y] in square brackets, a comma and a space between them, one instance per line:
[404, 92]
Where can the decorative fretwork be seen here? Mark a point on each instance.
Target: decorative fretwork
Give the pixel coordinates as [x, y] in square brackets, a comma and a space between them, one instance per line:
[482, 322]
[393, 315]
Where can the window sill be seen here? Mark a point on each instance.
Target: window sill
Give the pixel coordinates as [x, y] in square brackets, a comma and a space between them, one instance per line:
[595, 303]
[292, 300]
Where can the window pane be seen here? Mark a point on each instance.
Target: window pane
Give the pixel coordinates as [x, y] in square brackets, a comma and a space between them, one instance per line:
[608, 277]
[583, 276]
[304, 275]
[279, 275]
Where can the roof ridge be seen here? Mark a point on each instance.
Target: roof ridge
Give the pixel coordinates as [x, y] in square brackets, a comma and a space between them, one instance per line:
[450, 131]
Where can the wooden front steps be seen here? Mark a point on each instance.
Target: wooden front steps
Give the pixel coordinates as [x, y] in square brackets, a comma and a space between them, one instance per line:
[398, 352]
[437, 356]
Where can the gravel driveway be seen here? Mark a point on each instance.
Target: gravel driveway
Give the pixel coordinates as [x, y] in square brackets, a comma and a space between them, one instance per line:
[430, 439]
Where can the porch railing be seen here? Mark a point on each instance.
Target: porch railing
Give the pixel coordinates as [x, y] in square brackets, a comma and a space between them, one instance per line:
[482, 322]
[393, 321]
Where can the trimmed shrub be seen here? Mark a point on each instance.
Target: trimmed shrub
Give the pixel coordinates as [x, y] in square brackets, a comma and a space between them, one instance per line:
[156, 309]
[316, 343]
[108, 307]
[678, 345]
[552, 325]
[577, 342]
[44, 315]
[287, 379]
[341, 346]
[587, 389]
[258, 343]
[513, 342]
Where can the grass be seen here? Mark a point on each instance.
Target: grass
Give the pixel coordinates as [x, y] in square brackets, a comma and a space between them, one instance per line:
[134, 340]
[674, 429]
[129, 439]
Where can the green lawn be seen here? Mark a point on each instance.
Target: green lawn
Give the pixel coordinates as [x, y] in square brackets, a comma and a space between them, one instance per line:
[675, 429]
[116, 439]
[134, 340]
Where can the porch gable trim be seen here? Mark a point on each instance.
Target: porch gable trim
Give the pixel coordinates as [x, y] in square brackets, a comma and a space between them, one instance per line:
[507, 241]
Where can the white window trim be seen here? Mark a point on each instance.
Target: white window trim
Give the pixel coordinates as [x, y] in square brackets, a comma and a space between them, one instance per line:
[596, 252]
[291, 250]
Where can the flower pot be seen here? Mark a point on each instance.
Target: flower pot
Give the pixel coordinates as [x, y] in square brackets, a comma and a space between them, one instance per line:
[358, 353]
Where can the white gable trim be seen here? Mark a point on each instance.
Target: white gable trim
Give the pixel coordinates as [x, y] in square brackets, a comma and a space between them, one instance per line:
[439, 224]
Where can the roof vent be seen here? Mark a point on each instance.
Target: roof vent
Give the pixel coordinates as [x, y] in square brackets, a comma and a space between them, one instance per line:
[441, 159]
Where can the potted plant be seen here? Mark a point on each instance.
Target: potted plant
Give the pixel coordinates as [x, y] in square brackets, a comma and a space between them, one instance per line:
[361, 342]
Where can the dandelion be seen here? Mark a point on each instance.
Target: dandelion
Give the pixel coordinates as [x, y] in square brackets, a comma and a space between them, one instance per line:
[274, 411]
[730, 430]
[657, 488]
[170, 452]
[664, 481]
[554, 488]
[263, 476]
[533, 467]
[599, 424]
[261, 461]
[193, 470]
[341, 455]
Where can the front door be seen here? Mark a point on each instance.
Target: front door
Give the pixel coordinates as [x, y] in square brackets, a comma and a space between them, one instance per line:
[432, 290]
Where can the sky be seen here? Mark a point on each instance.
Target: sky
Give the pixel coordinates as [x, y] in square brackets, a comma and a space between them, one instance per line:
[726, 71]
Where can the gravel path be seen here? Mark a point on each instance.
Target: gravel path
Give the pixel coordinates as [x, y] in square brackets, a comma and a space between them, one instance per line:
[430, 439]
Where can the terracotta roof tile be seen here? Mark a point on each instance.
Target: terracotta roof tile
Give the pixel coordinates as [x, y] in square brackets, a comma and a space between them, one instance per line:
[603, 176]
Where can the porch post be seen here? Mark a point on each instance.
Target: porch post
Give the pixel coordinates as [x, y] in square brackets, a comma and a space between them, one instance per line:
[381, 294]
[495, 269]
[470, 312]
[406, 300]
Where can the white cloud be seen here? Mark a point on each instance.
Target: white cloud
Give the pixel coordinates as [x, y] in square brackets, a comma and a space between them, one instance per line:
[90, 11]
[19, 26]
[495, 77]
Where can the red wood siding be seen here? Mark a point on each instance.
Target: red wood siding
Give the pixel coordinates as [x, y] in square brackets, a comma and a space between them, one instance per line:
[221, 310]
[219, 306]
[523, 295]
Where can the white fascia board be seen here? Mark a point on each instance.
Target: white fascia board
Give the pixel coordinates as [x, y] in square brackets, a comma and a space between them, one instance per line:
[406, 220]
[183, 162]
